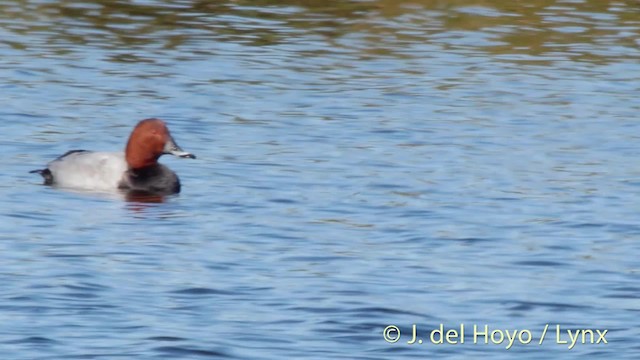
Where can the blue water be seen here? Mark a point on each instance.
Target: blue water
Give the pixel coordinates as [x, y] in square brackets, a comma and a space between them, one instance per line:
[360, 164]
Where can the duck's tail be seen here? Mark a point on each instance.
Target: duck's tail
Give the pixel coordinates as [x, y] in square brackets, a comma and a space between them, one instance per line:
[46, 174]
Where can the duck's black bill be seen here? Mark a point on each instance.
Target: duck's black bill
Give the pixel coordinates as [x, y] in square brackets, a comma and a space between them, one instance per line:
[172, 148]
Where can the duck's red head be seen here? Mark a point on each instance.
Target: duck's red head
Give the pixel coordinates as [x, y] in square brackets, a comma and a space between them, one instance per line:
[149, 140]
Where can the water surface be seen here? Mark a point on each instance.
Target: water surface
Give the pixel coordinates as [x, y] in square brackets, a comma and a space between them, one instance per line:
[360, 164]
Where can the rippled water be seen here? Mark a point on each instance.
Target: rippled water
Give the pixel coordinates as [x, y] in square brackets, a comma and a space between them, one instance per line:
[360, 164]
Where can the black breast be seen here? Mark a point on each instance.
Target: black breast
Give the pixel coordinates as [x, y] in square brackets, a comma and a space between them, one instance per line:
[157, 179]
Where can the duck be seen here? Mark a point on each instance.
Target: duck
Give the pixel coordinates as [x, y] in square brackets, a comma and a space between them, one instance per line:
[136, 170]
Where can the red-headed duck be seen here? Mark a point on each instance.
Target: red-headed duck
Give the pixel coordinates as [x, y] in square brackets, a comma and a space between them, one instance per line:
[134, 170]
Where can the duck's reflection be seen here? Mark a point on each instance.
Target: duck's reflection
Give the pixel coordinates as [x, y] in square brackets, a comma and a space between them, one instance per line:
[143, 204]
[144, 197]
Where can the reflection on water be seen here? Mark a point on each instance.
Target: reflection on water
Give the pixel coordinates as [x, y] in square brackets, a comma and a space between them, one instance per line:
[361, 164]
[586, 30]
[143, 197]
